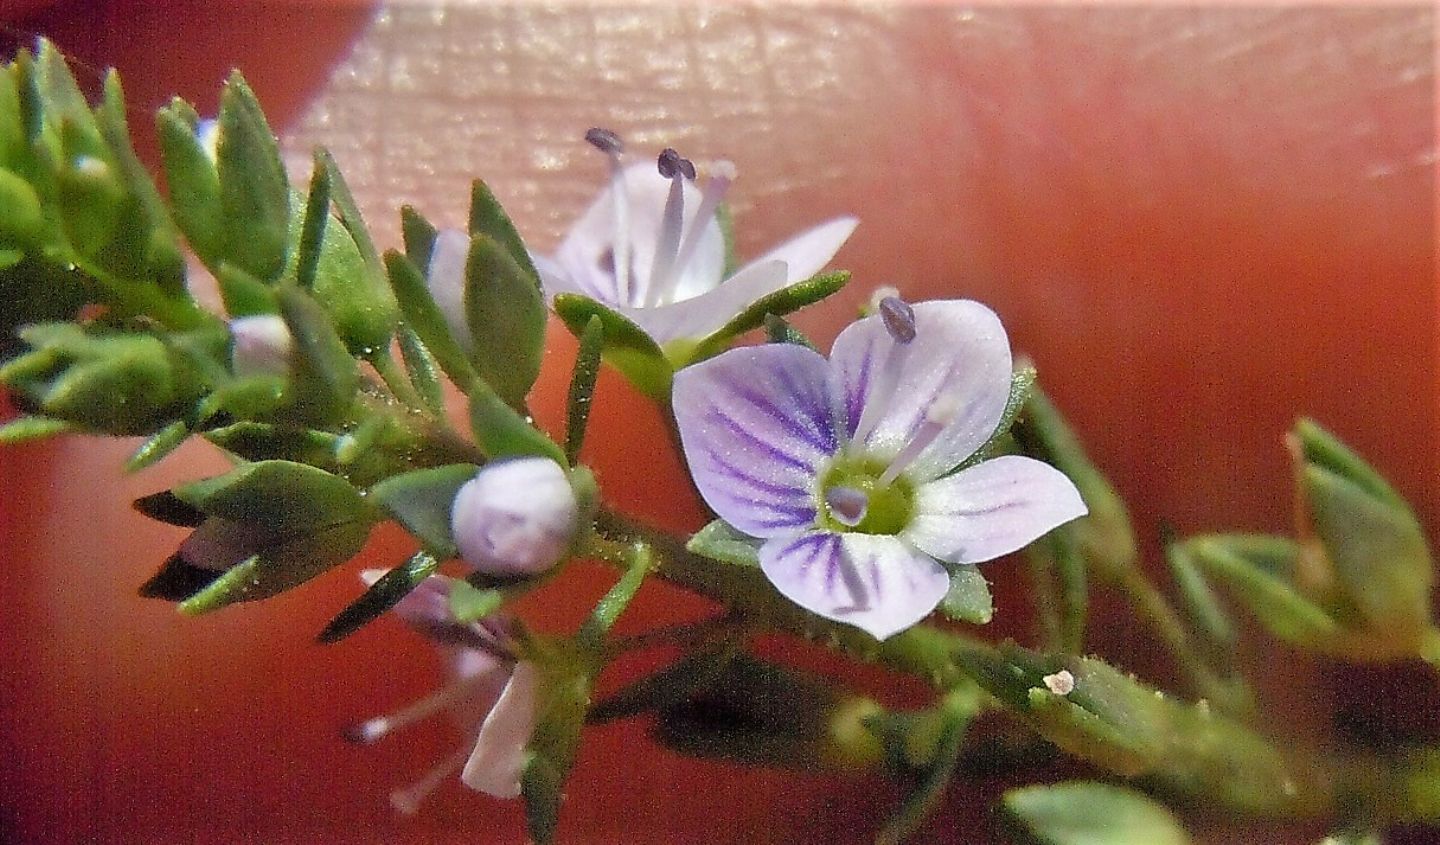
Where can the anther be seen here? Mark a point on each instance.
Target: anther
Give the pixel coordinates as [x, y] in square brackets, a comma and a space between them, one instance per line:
[847, 505]
[671, 163]
[899, 318]
[605, 141]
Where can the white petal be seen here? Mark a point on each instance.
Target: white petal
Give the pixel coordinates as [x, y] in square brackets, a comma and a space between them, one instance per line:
[757, 425]
[445, 278]
[498, 761]
[991, 509]
[808, 252]
[875, 582]
[554, 278]
[702, 315]
[960, 355]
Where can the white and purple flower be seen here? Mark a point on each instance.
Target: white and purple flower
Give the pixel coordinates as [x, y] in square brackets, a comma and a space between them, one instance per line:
[651, 248]
[492, 696]
[845, 468]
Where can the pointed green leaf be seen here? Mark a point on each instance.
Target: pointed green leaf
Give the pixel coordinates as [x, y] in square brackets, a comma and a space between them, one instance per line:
[627, 347]
[1262, 584]
[380, 597]
[162, 443]
[968, 599]
[194, 183]
[257, 441]
[719, 541]
[489, 219]
[312, 231]
[669, 686]
[168, 508]
[280, 495]
[421, 501]
[26, 429]
[1089, 813]
[243, 294]
[501, 432]
[418, 236]
[254, 192]
[279, 567]
[422, 369]
[1202, 605]
[424, 317]
[956, 713]
[350, 279]
[469, 603]
[325, 377]
[23, 220]
[781, 302]
[778, 330]
[506, 315]
[582, 387]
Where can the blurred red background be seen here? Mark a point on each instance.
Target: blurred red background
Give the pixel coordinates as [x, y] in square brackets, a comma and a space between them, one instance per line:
[1199, 224]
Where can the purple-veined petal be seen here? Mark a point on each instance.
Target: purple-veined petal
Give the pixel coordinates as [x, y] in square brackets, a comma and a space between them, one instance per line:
[496, 764]
[808, 252]
[875, 582]
[445, 278]
[757, 425]
[702, 315]
[959, 359]
[991, 509]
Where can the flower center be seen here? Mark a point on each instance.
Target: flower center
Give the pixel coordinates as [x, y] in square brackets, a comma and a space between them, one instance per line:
[856, 497]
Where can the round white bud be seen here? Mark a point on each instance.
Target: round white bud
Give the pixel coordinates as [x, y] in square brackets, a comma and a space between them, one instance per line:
[515, 517]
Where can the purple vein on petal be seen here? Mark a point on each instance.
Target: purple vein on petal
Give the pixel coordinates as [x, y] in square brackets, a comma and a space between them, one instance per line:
[770, 450]
[739, 474]
[814, 435]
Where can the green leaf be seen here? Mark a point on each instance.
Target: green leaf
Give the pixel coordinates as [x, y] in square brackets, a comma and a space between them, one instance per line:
[564, 694]
[162, 443]
[470, 604]
[350, 279]
[501, 432]
[506, 315]
[280, 567]
[1322, 449]
[614, 602]
[177, 580]
[168, 508]
[257, 441]
[777, 330]
[421, 501]
[26, 429]
[779, 303]
[1090, 813]
[1261, 583]
[1202, 605]
[719, 541]
[1062, 600]
[669, 686]
[489, 219]
[243, 294]
[280, 495]
[426, 320]
[312, 231]
[325, 377]
[1022, 384]
[422, 369]
[627, 347]
[418, 236]
[382, 595]
[582, 387]
[22, 222]
[254, 192]
[194, 183]
[968, 599]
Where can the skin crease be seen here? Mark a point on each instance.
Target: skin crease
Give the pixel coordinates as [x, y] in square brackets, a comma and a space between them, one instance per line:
[1200, 224]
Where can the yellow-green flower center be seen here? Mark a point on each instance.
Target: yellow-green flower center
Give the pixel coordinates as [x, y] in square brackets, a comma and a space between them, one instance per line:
[884, 508]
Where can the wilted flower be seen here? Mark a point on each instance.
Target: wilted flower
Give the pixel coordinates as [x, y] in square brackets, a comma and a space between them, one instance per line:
[515, 517]
[651, 248]
[846, 468]
[260, 345]
[491, 696]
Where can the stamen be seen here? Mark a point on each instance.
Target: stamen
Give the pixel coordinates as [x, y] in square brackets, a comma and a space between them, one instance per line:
[940, 414]
[847, 505]
[722, 173]
[667, 246]
[407, 800]
[899, 318]
[373, 730]
[605, 141]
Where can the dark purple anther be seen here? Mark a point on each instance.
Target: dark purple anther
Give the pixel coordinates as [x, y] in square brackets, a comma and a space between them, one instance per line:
[671, 163]
[605, 141]
[899, 318]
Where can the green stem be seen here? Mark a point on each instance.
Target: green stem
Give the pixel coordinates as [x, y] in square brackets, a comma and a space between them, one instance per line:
[396, 381]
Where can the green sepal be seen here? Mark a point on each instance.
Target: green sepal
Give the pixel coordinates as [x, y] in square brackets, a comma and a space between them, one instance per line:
[489, 219]
[170, 509]
[1022, 384]
[930, 750]
[252, 397]
[243, 294]
[23, 221]
[720, 541]
[160, 444]
[418, 235]
[627, 347]
[779, 303]
[194, 183]
[324, 376]
[1090, 813]
[778, 330]
[380, 597]
[422, 369]
[613, 603]
[421, 501]
[582, 387]
[254, 191]
[469, 603]
[350, 278]
[968, 599]
[1371, 539]
[501, 432]
[259, 441]
[1200, 602]
[281, 496]
[425, 318]
[26, 429]
[280, 566]
[506, 315]
[563, 696]
[1060, 588]
[1259, 571]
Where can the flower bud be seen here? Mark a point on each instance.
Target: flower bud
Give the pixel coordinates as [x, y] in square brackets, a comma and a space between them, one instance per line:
[445, 278]
[261, 346]
[515, 517]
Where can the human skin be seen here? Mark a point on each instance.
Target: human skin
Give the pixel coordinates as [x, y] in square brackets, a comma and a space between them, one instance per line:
[1200, 224]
